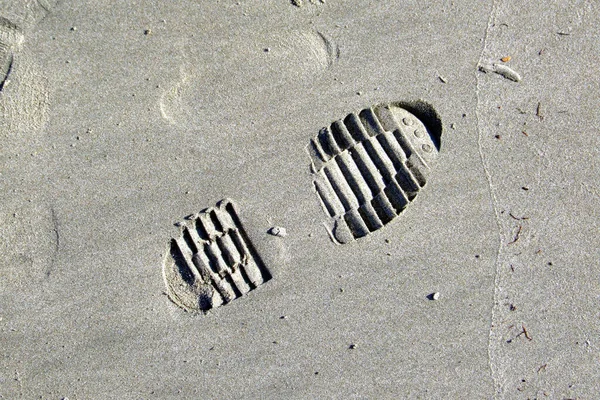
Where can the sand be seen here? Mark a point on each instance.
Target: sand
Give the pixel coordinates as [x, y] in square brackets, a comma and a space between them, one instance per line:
[119, 120]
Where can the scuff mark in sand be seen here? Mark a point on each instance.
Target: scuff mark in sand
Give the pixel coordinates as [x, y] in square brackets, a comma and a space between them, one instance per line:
[11, 39]
[55, 230]
[25, 101]
[23, 89]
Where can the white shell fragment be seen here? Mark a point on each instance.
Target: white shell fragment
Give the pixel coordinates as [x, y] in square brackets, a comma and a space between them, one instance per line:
[501, 70]
[278, 231]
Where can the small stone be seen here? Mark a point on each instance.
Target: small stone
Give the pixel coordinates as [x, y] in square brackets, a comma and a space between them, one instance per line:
[73, 28]
[147, 32]
[283, 317]
[277, 231]
[442, 79]
[452, 126]
[359, 93]
[434, 296]
[267, 49]
[352, 346]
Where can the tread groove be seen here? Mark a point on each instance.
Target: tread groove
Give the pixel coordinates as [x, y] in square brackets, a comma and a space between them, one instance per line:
[340, 186]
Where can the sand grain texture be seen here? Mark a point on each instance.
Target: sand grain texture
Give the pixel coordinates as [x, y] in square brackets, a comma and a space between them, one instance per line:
[120, 120]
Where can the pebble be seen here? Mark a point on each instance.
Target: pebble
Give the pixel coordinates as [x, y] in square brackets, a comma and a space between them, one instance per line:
[278, 231]
[435, 296]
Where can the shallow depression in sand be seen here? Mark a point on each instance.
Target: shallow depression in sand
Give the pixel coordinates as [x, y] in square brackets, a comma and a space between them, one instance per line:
[24, 98]
[231, 74]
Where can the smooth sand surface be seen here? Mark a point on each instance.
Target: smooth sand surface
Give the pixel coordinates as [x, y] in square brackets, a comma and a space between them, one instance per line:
[118, 119]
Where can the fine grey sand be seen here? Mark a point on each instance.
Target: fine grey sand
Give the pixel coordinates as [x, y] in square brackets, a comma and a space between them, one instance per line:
[119, 119]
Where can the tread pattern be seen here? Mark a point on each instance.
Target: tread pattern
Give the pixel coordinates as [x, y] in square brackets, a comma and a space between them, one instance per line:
[369, 166]
[213, 261]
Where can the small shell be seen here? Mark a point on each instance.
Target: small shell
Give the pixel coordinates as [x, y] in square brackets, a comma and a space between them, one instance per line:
[507, 72]
[501, 70]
